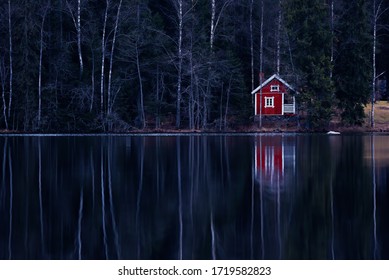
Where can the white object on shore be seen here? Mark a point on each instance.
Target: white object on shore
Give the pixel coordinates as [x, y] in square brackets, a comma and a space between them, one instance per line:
[333, 132]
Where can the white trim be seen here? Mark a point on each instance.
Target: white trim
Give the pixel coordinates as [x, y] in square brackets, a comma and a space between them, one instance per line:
[269, 102]
[274, 88]
[275, 76]
[283, 96]
[255, 104]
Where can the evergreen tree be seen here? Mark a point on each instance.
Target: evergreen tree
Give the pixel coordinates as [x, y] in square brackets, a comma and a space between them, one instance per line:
[309, 29]
[353, 61]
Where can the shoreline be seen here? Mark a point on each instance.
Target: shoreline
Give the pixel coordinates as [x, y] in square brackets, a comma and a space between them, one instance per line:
[171, 131]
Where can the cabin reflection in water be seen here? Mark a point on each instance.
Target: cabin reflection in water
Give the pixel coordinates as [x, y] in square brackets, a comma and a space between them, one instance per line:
[275, 161]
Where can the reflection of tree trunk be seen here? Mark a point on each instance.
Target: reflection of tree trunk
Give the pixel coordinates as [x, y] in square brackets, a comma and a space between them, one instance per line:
[213, 237]
[79, 231]
[332, 218]
[93, 179]
[111, 200]
[10, 203]
[139, 197]
[279, 217]
[181, 229]
[40, 191]
[252, 201]
[103, 201]
[261, 200]
[374, 197]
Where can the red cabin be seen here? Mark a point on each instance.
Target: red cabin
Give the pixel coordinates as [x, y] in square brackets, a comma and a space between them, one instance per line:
[277, 98]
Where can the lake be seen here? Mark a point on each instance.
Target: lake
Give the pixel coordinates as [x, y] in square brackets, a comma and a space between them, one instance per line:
[281, 196]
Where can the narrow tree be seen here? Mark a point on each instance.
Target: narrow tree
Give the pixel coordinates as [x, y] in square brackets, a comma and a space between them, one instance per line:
[41, 46]
[10, 59]
[76, 17]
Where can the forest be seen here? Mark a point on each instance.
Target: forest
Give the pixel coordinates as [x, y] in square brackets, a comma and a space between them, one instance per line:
[131, 65]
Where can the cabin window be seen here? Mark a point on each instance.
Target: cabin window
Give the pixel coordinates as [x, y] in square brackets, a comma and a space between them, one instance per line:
[269, 102]
[275, 88]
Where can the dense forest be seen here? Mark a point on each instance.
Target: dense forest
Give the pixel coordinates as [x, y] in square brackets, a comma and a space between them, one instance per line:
[120, 65]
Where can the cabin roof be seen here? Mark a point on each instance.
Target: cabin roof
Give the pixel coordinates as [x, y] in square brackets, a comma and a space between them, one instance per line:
[275, 76]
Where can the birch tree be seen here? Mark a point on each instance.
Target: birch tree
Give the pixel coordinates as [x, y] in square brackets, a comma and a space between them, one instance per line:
[10, 59]
[180, 17]
[378, 11]
[3, 77]
[109, 94]
[103, 45]
[41, 46]
[76, 17]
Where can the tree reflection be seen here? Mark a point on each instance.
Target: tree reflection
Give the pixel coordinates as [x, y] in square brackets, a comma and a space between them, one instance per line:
[193, 197]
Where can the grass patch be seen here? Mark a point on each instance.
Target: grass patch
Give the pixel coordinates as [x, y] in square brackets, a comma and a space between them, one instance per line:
[381, 114]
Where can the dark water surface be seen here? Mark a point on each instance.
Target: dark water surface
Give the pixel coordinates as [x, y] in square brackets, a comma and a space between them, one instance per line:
[194, 197]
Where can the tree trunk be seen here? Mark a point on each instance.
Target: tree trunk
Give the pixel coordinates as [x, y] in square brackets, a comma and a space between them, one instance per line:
[103, 60]
[3, 81]
[110, 105]
[180, 60]
[93, 82]
[261, 64]
[375, 18]
[279, 37]
[141, 104]
[78, 27]
[252, 48]
[10, 59]
[40, 69]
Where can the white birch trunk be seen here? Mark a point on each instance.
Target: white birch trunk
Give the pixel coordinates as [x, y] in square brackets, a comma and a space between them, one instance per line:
[332, 36]
[213, 15]
[40, 69]
[3, 81]
[180, 59]
[10, 59]
[375, 18]
[103, 59]
[142, 111]
[93, 83]
[109, 101]
[78, 27]
[279, 38]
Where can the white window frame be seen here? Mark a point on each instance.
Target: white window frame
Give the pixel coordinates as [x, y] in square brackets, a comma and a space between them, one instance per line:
[274, 88]
[269, 102]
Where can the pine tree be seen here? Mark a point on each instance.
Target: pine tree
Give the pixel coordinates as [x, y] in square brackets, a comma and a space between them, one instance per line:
[310, 33]
[353, 62]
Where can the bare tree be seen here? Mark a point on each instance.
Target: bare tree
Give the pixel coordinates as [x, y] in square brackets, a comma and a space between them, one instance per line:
[180, 59]
[10, 59]
[3, 82]
[77, 24]
[41, 46]
[109, 100]
[103, 43]
[261, 65]
[279, 37]
[378, 11]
